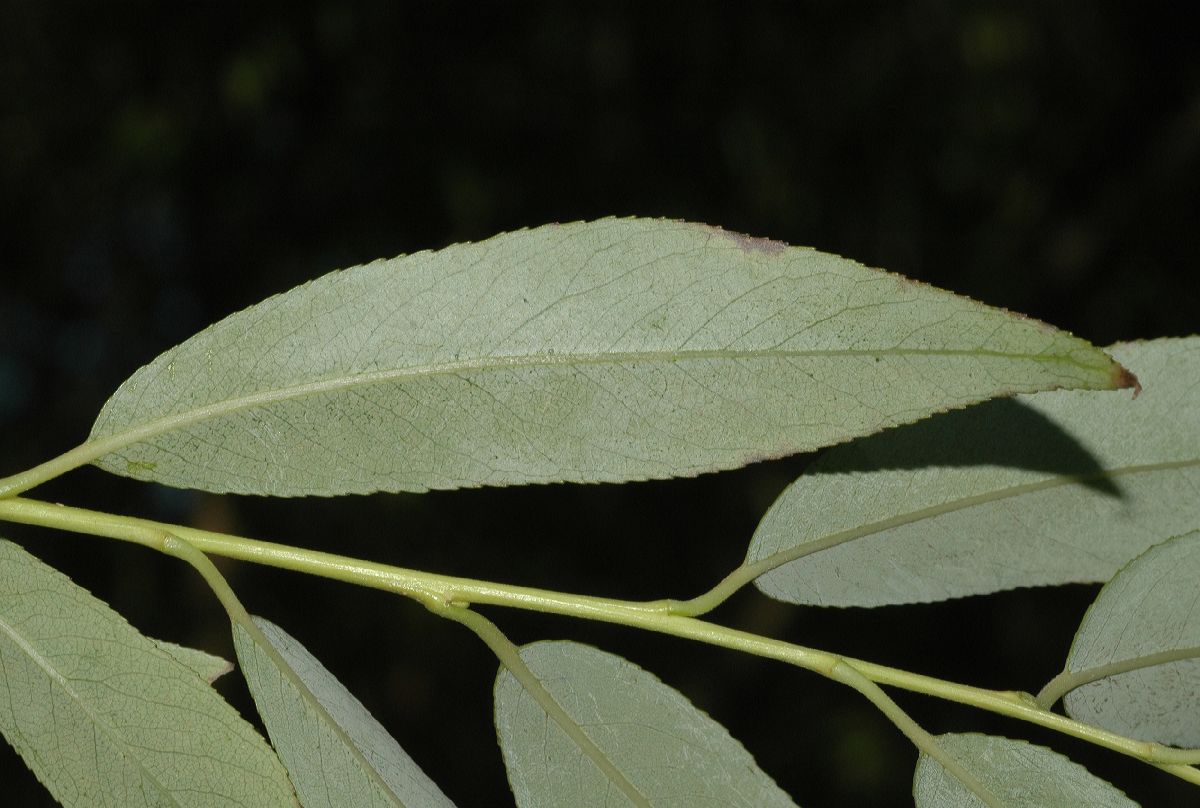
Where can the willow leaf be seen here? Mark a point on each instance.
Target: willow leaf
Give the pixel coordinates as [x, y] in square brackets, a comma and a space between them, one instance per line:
[613, 350]
[1020, 774]
[1047, 488]
[104, 717]
[1149, 611]
[208, 667]
[672, 754]
[336, 752]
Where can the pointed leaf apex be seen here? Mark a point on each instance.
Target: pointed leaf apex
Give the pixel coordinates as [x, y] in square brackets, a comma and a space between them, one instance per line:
[1123, 379]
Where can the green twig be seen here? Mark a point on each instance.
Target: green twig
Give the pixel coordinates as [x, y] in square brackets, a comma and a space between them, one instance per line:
[847, 674]
[657, 616]
[174, 546]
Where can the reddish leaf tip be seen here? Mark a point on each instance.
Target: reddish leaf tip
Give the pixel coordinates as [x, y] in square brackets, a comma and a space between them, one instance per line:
[1123, 379]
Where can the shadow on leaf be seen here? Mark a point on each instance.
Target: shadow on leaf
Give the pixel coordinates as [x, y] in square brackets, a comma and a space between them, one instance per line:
[1001, 432]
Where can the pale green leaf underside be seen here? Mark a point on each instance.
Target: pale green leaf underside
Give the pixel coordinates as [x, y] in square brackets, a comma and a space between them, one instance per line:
[1048, 488]
[208, 667]
[604, 351]
[1151, 606]
[337, 753]
[671, 752]
[1020, 774]
[104, 717]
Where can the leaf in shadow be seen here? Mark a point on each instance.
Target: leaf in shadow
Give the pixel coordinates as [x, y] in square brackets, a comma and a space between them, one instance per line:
[1005, 432]
[1052, 488]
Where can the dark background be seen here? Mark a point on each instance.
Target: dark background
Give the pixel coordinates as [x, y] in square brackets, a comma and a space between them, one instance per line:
[164, 165]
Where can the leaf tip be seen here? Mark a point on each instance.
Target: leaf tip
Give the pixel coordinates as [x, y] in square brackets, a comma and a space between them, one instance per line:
[1123, 379]
[216, 673]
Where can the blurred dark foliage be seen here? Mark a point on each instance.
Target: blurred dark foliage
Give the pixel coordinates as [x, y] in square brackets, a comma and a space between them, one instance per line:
[163, 165]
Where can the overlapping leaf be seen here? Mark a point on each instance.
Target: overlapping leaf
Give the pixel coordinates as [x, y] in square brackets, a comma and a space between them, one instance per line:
[650, 735]
[208, 667]
[1048, 488]
[336, 752]
[1020, 774]
[1151, 608]
[104, 717]
[603, 351]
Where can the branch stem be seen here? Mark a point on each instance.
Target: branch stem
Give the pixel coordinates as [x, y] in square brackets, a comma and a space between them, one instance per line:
[436, 591]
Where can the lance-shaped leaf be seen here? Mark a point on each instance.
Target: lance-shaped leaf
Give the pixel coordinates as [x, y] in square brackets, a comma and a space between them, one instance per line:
[606, 351]
[104, 717]
[1020, 774]
[336, 752]
[1048, 488]
[1149, 612]
[650, 739]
